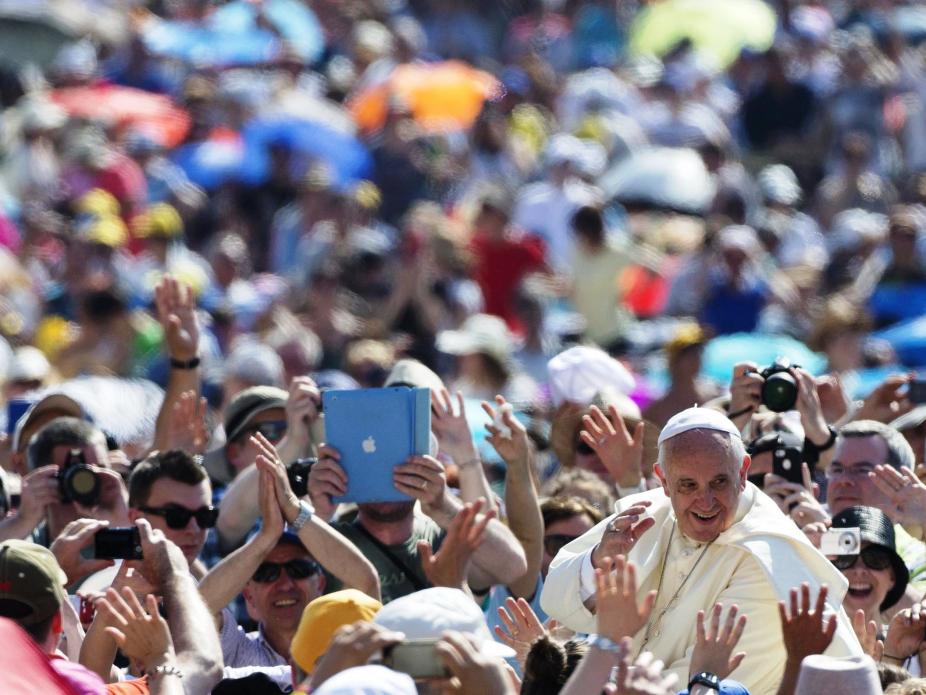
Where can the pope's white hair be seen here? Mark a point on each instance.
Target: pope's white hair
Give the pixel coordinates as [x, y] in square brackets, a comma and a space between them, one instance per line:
[734, 446]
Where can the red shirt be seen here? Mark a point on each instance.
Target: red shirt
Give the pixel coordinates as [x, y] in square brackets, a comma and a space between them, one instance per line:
[501, 265]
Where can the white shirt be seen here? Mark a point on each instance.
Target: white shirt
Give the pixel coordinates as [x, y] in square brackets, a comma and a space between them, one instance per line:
[753, 564]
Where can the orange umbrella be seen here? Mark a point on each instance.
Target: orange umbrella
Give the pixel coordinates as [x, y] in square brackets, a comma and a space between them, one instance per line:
[440, 96]
[125, 107]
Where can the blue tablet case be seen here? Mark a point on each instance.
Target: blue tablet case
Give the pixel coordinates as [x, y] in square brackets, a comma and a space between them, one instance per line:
[375, 430]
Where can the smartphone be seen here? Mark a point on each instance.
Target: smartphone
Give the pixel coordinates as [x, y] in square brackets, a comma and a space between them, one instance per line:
[84, 607]
[841, 541]
[916, 391]
[117, 544]
[417, 658]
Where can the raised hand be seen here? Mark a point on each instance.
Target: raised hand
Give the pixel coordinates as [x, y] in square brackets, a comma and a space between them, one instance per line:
[176, 311]
[271, 517]
[302, 409]
[39, 489]
[905, 492]
[794, 499]
[423, 478]
[620, 453]
[804, 630]
[268, 461]
[477, 673]
[161, 560]
[887, 402]
[186, 429]
[448, 566]
[745, 389]
[713, 651]
[77, 536]
[522, 627]
[867, 633]
[451, 428]
[905, 634]
[140, 631]
[515, 449]
[622, 533]
[326, 480]
[616, 600]
[352, 645]
[640, 677]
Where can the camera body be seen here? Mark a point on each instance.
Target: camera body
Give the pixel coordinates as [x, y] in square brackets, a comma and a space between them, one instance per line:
[298, 474]
[841, 541]
[117, 544]
[779, 392]
[78, 482]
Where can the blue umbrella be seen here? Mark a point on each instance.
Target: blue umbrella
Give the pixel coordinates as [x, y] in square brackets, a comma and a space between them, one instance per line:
[721, 353]
[231, 35]
[215, 162]
[908, 340]
[893, 303]
[348, 158]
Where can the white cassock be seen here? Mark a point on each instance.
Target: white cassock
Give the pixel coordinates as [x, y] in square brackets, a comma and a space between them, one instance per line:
[753, 564]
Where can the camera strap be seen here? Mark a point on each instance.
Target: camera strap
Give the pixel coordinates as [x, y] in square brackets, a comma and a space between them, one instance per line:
[399, 564]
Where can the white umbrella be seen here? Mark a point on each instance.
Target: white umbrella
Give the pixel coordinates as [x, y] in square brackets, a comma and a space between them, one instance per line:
[661, 177]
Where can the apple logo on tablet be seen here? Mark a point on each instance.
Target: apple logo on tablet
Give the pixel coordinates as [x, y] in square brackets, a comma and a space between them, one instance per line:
[369, 445]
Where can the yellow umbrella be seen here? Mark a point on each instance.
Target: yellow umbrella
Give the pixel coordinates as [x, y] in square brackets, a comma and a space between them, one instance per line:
[719, 28]
[440, 96]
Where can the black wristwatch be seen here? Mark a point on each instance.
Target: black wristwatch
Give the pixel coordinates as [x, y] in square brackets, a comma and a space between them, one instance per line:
[705, 678]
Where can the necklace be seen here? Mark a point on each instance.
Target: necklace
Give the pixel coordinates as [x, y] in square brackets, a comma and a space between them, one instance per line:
[651, 624]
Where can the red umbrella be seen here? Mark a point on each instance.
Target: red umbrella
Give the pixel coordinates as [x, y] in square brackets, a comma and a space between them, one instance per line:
[125, 107]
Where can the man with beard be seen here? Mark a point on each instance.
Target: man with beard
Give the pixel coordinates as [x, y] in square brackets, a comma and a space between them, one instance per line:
[388, 534]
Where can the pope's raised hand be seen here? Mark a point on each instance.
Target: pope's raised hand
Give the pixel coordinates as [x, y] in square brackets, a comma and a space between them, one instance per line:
[622, 533]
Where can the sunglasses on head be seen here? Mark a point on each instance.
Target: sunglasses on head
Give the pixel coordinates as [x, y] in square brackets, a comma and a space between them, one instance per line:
[300, 568]
[555, 541]
[875, 558]
[273, 430]
[179, 517]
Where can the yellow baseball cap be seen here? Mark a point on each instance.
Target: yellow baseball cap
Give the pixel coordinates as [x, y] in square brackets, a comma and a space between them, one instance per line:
[159, 220]
[322, 618]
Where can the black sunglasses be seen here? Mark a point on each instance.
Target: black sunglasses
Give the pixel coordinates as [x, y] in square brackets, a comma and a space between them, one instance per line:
[555, 541]
[875, 558]
[273, 430]
[584, 449]
[300, 568]
[179, 517]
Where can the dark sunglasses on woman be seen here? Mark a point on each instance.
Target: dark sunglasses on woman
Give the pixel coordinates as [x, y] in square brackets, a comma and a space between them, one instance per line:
[555, 541]
[875, 558]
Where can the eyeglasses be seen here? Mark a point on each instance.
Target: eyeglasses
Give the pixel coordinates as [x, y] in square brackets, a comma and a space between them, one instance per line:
[273, 430]
[859, 471]
[555, 542]
[875, 558]
[300, 568]
[179, 517]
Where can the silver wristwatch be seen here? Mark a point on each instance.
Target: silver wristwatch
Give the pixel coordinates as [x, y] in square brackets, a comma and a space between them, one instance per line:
[305, 513]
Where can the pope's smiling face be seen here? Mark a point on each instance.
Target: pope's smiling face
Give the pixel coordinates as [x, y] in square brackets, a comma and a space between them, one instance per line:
[704, 477]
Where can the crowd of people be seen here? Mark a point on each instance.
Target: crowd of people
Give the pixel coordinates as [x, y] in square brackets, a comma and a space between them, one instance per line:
[667, 300]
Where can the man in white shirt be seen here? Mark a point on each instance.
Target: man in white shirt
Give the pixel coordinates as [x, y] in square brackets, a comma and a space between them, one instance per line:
[707, 536]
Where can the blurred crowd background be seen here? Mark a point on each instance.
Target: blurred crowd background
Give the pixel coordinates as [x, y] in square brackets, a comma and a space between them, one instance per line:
[474, 184]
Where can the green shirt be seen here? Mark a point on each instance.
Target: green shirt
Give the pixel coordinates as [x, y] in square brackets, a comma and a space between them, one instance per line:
[394, 579]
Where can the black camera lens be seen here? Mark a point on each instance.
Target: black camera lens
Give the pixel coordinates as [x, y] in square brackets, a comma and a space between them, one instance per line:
[79, 484]
[779, 392]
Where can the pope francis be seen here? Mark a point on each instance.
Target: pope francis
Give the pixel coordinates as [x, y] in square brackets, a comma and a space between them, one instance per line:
[707, 536]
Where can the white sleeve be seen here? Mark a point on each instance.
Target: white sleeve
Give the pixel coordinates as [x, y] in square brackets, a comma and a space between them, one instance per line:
[587, 587]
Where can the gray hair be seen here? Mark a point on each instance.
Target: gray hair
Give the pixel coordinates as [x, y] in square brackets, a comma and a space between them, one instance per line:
[734, 445]
[899, 452]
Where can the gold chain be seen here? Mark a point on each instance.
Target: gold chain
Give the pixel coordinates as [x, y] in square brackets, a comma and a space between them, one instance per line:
[650, 624]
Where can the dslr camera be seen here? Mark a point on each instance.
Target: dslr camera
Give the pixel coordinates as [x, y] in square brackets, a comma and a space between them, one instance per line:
[298, 474]
[77, 482]
[779, 392]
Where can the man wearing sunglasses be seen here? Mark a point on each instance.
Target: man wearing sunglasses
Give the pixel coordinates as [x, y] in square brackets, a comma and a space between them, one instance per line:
[172, 492]
[279, 573]
[285, 420]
